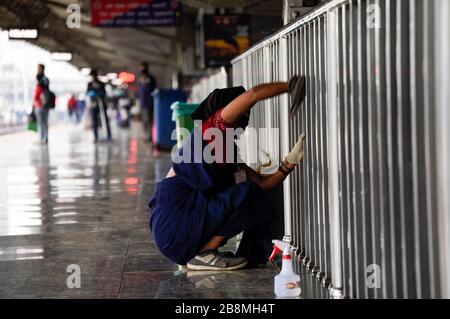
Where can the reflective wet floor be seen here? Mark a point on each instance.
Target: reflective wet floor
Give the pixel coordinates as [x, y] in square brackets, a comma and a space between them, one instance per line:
[74, 205]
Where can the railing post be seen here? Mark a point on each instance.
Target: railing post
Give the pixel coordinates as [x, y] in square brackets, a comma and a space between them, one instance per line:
[284, 132]
[442, 18]
[333, 169]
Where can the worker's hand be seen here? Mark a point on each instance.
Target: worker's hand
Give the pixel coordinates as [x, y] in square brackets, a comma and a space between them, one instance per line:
[292, 83]
[296, 155]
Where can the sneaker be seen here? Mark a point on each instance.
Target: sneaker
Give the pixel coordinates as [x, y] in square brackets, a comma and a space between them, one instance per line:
[297, 90]
[225, 254]
[214, 260]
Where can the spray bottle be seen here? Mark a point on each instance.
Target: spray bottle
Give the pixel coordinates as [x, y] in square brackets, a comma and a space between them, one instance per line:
[278, 247]
[287, 282]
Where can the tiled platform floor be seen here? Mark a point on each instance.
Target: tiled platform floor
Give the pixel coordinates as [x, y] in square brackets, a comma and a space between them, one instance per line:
[74, 202]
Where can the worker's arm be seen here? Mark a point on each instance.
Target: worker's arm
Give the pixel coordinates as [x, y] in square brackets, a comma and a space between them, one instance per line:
[269, 182]
[233, 112]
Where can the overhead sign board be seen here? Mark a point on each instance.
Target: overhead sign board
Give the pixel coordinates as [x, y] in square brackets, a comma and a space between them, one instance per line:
[226, 36]
[135, 13]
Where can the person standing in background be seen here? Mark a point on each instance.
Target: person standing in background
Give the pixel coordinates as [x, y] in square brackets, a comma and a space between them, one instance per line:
[72, 108]
[146, 87]
[39, 103]
[81, 103]
[97, 93]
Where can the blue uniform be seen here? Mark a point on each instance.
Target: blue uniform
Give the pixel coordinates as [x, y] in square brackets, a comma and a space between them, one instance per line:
[203, 201]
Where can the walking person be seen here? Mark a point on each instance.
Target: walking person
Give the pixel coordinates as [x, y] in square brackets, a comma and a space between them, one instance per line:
[72, 109]
[97, 93]
[146, 87]
[41, 103]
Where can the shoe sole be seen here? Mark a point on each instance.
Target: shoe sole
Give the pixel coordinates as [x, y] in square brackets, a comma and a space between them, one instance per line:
[212, 268]
[299, 97]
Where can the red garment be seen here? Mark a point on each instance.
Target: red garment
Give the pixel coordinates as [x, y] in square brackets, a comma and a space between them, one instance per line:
[37, 102]
[216, 121]
[71, 104]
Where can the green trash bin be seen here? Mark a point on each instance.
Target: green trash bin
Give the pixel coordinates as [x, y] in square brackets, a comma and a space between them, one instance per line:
[181, 115]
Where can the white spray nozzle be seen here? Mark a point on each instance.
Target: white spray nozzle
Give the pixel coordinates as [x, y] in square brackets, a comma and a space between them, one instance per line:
[278, 247]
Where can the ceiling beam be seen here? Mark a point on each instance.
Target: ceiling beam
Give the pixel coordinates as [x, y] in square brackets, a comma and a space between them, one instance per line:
[172, 38]
[137, 57]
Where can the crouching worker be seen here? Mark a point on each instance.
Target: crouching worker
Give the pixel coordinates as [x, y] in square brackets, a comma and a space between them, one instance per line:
[202, 204]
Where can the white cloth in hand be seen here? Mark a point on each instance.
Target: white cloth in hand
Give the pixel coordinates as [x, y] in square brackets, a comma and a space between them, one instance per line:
[296, 155]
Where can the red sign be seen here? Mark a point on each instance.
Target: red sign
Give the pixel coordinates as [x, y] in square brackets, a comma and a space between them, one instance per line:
[134, 13]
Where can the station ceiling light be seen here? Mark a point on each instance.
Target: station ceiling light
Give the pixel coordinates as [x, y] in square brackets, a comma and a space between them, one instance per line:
[61, 56]
[85, 71]
[23, 34]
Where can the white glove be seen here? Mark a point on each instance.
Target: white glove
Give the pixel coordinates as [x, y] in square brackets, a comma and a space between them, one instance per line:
[296, 155]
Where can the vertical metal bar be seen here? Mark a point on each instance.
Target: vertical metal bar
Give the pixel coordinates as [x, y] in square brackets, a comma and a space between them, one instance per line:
[401, 199]
[302, 175]
[305, 184]
[310, 148]
[295, 175]
[372, 250]
[404, 146]
[295, 129]
[345, 148]
[353, 129]
[298, 173]
[362, 139]
[325, 153]
[381, 92]
[319, 150]
[315, 148]
[432, 239]
[416, 132]
[333, 169]
[295, 184]
[414, 135]
[391, 107]
[346, 252]
[442, 76]
[282, 59]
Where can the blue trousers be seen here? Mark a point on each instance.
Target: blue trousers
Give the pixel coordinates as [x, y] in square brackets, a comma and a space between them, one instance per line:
[42, 121]
[242, 208]
[96, 121]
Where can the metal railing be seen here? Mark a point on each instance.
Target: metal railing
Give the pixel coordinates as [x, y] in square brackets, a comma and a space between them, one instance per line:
[368, 211]
[207, 84]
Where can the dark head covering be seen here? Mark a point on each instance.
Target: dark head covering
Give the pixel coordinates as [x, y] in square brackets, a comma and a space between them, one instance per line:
[218, 99]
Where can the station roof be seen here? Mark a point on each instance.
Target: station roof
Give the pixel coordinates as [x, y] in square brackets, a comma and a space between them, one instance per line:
[116, 49]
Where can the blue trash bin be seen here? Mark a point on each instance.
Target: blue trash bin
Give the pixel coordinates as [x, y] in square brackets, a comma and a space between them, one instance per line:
[164, 126]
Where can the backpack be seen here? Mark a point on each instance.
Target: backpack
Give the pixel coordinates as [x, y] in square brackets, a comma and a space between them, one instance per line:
[48, 99]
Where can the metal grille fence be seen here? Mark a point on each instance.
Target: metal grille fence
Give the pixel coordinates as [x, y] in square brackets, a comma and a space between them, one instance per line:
[368, 210]
[206, 85]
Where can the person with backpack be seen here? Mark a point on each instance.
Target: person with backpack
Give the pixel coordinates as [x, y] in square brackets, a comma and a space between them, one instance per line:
[43, 101]
[146, 87]
[97, 93]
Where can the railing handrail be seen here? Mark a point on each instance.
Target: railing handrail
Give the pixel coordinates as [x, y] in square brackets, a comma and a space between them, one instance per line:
[322, 9]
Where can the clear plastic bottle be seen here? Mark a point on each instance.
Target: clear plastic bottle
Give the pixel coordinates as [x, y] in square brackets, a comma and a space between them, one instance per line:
[287, 282]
